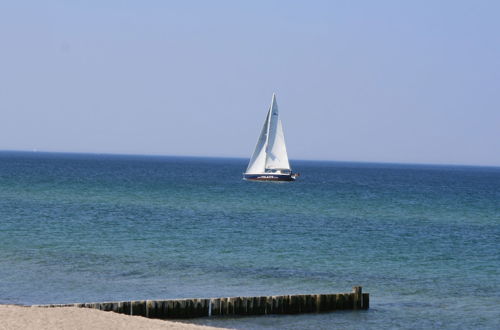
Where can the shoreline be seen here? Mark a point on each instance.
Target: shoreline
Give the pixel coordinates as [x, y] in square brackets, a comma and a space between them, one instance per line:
[27, 317]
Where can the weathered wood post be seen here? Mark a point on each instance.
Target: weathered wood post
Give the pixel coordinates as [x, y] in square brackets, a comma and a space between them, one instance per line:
[358, 297]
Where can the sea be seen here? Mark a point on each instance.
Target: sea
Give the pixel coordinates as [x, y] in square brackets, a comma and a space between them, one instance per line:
[423, 240]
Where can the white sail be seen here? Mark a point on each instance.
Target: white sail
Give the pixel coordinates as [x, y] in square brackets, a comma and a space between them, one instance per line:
[270, 152]
[258, 161]
[277, 157]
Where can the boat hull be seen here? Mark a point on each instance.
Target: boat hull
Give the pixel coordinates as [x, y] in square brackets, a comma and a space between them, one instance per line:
[269, 177]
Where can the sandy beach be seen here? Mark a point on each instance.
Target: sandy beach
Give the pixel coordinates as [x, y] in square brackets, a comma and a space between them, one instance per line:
[20, 317]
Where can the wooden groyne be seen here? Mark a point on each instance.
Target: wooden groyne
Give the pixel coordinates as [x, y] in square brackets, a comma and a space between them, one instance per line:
[191, 308]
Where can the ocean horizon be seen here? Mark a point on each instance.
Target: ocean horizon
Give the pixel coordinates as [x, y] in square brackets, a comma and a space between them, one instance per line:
[124, 154]
[422, 239]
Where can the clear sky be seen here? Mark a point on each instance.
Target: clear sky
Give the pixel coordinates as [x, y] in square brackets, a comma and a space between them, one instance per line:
[389, 81]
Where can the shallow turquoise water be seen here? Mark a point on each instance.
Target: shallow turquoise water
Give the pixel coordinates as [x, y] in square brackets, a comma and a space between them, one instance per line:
[423, 240]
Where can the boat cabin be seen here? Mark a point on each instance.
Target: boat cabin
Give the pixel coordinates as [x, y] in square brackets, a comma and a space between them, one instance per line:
[278, 170]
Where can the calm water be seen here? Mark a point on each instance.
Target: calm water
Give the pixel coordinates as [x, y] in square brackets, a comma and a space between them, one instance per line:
[423, 240]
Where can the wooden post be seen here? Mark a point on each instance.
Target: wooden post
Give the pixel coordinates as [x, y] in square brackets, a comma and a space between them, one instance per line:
[358, 297]
[269, 305]
[366, 301]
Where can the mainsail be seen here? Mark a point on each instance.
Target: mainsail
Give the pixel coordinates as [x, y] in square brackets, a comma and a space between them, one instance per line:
[270, 152]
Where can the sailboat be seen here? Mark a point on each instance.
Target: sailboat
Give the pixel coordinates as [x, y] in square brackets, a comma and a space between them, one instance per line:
[269, 161]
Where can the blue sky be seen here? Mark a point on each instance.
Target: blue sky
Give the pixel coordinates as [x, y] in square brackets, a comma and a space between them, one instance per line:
[389, 81]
